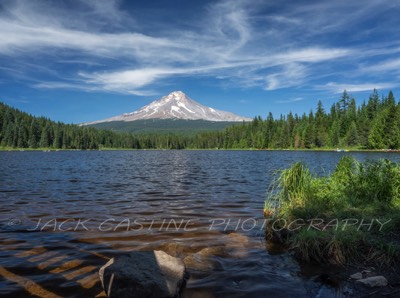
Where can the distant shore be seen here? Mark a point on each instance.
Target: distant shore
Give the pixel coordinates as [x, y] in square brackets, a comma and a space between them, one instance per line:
[343, 150]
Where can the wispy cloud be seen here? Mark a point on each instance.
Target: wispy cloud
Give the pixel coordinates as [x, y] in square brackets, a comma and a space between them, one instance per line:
[261, 45]
[338, 88]
[22, 39]
[127, 81]
[291, 100]
[392, 65]
[291, 75]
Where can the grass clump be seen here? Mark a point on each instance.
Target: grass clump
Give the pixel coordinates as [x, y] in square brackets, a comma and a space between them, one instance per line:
[349, 216]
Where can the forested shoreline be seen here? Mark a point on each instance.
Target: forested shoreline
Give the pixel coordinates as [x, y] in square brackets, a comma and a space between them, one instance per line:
[374, 124]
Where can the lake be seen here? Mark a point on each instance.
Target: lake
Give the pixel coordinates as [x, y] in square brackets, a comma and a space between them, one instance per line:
[64, 214]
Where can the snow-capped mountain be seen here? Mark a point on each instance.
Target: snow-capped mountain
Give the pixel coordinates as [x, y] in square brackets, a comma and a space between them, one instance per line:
[176, 105]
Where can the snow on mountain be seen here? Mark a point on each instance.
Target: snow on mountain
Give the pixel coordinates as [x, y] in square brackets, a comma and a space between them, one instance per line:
[176, 105]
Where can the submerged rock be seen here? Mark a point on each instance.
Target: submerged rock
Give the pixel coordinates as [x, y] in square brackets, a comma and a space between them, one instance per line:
[204, 259]
[237, 245]
[174, 249]
[218, 251]
[374, 281]
[143, 274]
[357, 275]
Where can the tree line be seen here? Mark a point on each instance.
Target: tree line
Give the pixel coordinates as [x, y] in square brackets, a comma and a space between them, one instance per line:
[375, 124]
[21, 130]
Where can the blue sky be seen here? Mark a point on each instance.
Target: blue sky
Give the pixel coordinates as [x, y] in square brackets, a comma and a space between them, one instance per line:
[85, 60]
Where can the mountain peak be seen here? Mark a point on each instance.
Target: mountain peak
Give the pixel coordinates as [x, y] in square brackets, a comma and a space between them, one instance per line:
[175, 95]
[176, 105]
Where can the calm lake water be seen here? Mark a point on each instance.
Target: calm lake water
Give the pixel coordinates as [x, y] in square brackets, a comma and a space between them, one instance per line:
[64, 214]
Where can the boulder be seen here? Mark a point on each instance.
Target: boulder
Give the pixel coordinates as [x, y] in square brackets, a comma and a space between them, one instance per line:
[143, 274]
[374, 281]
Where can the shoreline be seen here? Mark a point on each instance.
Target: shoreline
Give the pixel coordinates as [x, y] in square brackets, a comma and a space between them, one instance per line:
[338, 278]
[5, 149]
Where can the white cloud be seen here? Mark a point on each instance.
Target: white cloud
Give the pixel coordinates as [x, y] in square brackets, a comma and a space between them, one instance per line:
[392, 65]
[339, 88]
[127, 81]
[17, 37]
[291, 75]
[314, 54]
[291, 100]
[108, 9]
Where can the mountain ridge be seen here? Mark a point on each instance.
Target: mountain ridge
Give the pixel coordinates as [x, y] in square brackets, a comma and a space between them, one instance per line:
[176, 105]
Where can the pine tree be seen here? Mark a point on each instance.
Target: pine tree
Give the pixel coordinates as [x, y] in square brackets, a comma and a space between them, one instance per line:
[352, 135]
[391, 129]
[373, 104]
[375, 138]
[57, 142]
[34, 134]
[344, 102]
[335, 134]
[45, 137]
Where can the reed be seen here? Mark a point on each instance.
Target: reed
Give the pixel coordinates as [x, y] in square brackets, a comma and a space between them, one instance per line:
[355, 190]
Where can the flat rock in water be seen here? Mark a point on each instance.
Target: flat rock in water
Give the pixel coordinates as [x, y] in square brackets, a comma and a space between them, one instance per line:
[374, 281]
[143, 274]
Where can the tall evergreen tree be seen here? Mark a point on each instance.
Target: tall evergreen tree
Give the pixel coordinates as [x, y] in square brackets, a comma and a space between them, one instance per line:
[352, 135]
[375, 138]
